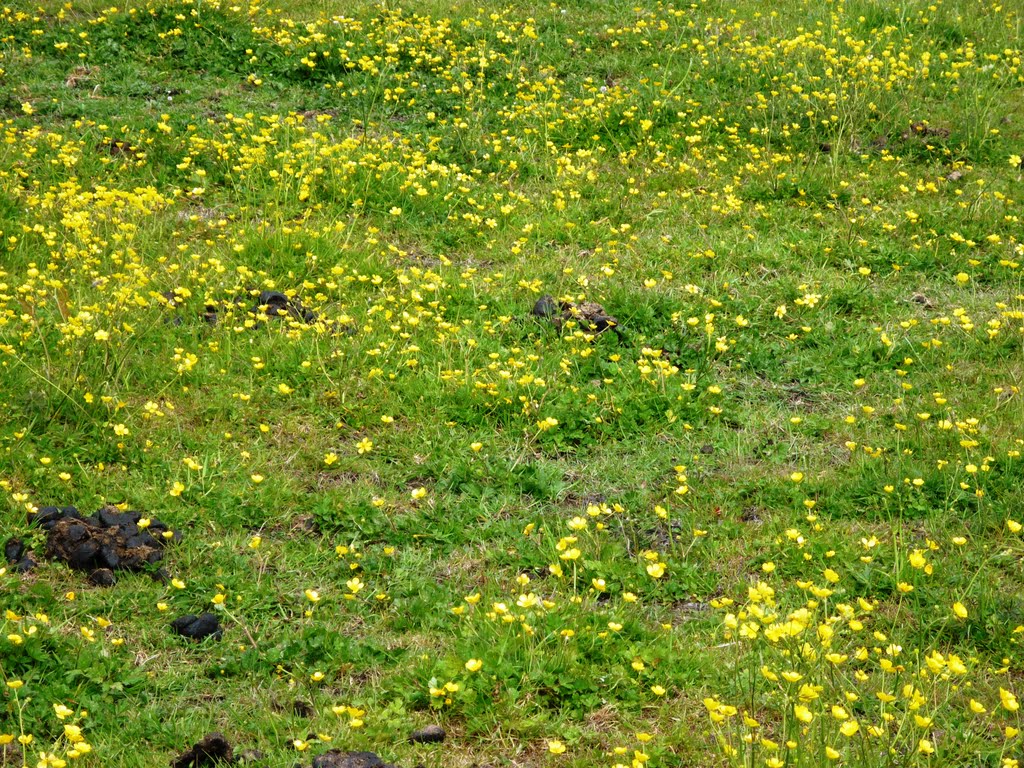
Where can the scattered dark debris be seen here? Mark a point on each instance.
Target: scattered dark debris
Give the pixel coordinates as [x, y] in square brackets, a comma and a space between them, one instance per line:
[431, 734]
[11, 754]
[102, 577]
[545, 307]
[691, 608]
[117, 148]
[313, 114]
[303, 708]
[172, 299]
[196, 212]
[305, 524]
[212, 749]
[198, 627]
[276, 304]
[825, 148]
[18, 557]
[213, 309]
[589, 315]
[173, 302]
[269, 305]
[80, 75]
[581, 500]
[921, 129]
[337, 758]
[657, 537]
[924, 301]
[538, 572]
[107, 539]
[707, 449]
[25, 564]
[752, 514]
[14, 549]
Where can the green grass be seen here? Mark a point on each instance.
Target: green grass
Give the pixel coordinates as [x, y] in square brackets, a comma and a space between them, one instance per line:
[737, 533]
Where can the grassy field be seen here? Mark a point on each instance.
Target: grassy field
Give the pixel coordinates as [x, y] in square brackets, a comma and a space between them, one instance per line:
[274, 277]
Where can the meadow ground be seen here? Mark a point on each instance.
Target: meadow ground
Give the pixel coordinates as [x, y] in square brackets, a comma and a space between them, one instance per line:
[268, 277]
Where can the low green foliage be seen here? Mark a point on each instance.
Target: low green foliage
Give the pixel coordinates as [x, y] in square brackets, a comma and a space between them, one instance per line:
[271, 276]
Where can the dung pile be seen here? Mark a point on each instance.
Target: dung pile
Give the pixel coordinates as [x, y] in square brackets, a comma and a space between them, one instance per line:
[268, 305]
[212, 749]
[589, 316]
[106, 541]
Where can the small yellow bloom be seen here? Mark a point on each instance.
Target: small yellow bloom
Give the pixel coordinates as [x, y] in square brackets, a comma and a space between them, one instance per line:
[474, 665]
[1008, 700]
[555, 747]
